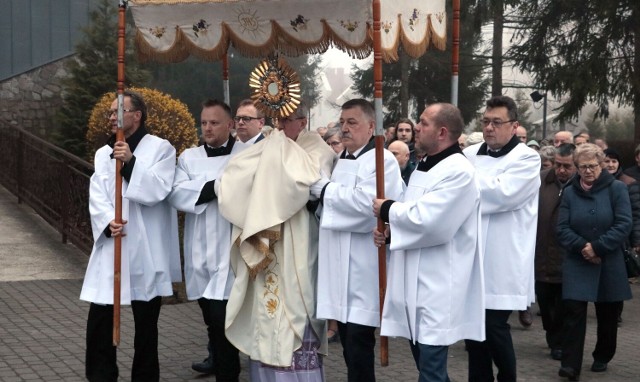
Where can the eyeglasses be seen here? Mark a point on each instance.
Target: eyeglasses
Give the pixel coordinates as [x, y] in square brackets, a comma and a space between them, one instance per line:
[244, 119]
[109, 113]
[334, 143]
[497, 123]
[590, 167]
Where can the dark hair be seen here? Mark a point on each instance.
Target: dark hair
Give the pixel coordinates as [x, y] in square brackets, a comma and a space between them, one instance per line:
[138, 104]
[504, 101]
[212, 102]
[413, 130]
[364, 105]
[612, 153]
[249, 102]
[449, 115]
[565, 149]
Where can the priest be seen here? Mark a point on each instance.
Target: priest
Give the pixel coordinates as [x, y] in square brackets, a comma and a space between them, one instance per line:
[264, 193]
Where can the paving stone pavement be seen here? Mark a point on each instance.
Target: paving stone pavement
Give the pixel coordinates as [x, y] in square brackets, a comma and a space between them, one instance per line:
[42, 322]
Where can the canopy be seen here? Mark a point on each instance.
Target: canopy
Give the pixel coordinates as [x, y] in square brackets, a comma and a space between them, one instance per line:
[171, 30]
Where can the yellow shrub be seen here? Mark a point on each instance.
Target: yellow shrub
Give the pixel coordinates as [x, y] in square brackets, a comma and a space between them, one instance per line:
[167, 118]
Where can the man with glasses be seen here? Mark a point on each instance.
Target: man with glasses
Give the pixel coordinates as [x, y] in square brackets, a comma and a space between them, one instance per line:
[150, 253]
[508, 174]
[207, 234]
[249, 122]
[548, 258]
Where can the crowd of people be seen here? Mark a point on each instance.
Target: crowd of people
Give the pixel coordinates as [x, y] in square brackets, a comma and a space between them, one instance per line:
[281, 240]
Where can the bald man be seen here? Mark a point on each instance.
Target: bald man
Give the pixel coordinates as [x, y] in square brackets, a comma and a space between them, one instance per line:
[400, 150]
[521, 133]
[562, 137]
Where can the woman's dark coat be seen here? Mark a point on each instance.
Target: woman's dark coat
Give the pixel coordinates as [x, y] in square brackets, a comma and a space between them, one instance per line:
[601, 216]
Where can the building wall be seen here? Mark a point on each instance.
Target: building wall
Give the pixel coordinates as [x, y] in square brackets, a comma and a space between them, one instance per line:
[36, 37]
[31, 99]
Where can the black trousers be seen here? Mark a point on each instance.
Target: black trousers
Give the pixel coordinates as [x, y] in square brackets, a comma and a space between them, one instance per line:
[101, 354]
[575, 327]
[226, 357]
[497, 348]
[358, 344]
[551, 311]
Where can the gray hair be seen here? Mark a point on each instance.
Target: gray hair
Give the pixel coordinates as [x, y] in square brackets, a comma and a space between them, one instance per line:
[588, 150]
[331, 132]
[548, 153]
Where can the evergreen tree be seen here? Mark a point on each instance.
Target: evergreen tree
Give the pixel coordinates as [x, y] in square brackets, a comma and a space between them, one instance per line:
[583, 51]
[619, 126]
[93, 71]
[193, 80]
[524, 112]
[429, 77]
[595, 126]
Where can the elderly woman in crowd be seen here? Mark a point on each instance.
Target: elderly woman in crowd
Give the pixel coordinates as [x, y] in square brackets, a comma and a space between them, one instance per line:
[593, 221]
[333, 137]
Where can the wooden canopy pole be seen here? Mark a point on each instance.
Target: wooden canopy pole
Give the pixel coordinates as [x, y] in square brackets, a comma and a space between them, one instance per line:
[117, 241]
[455, 51]
[225, 78]
[379, 140]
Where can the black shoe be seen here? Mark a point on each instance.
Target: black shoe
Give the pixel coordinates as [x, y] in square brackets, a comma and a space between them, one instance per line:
[568, 372]
[333, 338]
[525, 318]
[204, 367]
[599, 367]
[556, 354]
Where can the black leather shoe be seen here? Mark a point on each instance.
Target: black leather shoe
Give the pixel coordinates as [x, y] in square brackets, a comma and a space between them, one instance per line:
[556, 354]
[568, 372]
[204, 367]
[599, 367]
[525, 318]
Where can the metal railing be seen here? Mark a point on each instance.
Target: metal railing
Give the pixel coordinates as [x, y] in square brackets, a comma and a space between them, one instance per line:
[50, 180]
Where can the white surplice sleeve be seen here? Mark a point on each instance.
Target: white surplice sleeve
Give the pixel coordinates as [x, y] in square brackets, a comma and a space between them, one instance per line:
[152, 177]
[347, 207]
[436, 217]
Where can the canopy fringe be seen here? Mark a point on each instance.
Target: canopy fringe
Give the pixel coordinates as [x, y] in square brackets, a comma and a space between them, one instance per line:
[250, 50]
[439, 42]
[175, 53]
[355, 51]
[283, 42]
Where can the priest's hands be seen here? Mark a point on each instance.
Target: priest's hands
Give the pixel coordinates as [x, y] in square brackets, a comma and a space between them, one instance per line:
[117, 229]
[121, 151]
[317, 187]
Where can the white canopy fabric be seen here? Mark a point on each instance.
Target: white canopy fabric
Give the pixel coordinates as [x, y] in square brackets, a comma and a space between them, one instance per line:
[171, 30]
